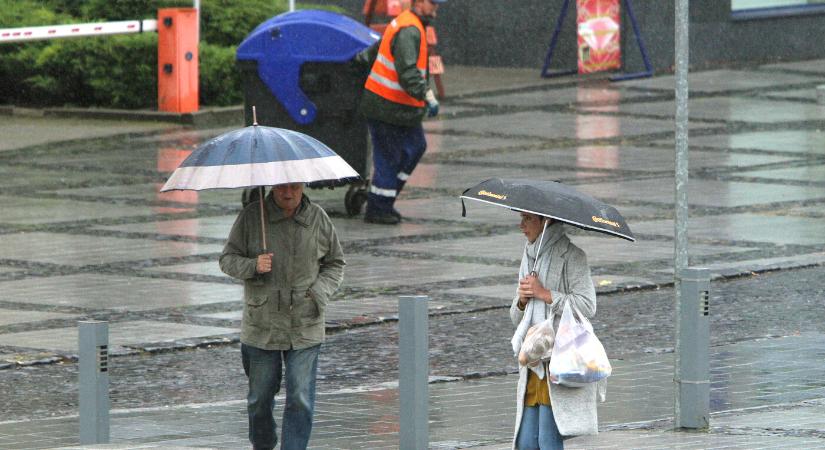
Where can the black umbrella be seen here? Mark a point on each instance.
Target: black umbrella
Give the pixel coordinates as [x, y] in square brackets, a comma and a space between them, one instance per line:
[550, 199]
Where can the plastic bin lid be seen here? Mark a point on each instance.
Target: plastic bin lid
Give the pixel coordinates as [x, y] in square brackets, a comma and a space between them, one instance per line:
[285, 42]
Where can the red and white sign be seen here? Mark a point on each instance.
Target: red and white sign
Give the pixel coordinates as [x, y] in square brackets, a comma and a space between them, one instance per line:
[599, 46]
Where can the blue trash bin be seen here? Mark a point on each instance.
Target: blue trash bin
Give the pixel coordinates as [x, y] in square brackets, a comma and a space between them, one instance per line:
[299, 72]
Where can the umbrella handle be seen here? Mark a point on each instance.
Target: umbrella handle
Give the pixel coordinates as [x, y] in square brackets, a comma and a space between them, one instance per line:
[263, 221]
[538, 249]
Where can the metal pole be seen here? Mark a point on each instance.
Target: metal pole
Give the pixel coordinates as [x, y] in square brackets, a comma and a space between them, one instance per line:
[291, 5]
[93, 353]
[682, 51]
[197, 5]
[413, 372]
[693, 380]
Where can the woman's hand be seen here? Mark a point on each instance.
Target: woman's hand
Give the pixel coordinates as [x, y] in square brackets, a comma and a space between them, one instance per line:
[530, 287]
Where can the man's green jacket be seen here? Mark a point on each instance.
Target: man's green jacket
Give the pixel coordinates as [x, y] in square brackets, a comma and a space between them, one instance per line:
[284, 308]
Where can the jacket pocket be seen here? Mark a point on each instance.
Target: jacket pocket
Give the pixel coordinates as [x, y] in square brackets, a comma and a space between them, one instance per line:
[308, 312]
[256, 310]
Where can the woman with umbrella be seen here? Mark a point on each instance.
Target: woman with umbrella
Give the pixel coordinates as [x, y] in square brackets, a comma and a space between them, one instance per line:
[553, 274]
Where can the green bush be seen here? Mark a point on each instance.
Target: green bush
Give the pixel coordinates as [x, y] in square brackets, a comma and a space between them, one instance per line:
[121, 71]
[17, 61]
[220, 80]
[113, 71]
[227, 22]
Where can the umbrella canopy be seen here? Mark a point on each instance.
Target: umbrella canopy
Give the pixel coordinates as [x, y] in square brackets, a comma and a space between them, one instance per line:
[259, 156]
[551, 199]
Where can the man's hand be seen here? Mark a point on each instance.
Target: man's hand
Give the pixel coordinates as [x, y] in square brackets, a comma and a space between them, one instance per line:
[432, 103]
[530, 287]
[264, 263]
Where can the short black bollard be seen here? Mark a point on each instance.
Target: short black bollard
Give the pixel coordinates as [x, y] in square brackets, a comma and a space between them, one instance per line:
[93, 352]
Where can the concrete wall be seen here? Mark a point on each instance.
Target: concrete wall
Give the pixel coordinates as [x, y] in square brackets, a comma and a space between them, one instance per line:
[517, 33]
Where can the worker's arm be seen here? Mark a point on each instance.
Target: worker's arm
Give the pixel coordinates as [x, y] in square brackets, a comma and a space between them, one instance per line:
[405, 46]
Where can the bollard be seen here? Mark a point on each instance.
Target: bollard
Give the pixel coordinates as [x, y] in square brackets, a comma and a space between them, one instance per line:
[693, 371]
[93, 345]
[413, 372]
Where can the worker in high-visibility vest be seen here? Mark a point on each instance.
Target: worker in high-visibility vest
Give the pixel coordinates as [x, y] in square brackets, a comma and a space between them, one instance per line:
[396, 97]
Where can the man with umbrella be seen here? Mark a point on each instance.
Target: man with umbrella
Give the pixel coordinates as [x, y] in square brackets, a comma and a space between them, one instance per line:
[285, 292]
[396, 97]
[287, 283]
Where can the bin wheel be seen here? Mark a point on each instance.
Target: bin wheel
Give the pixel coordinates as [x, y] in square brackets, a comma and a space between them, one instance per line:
[354, 200]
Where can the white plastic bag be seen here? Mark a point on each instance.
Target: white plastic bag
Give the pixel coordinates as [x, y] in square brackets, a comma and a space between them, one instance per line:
[537, 344]
[578, 356]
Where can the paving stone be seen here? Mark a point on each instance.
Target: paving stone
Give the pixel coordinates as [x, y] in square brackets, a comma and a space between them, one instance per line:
[383, 272]
[151, 192]
[449, 208]
[557, 125]
[722, 80]
[729, 268]
[445, 144]
[504, 293]
[733, 109]
[814, 65]
[801, 141]
[81, 250]
[18, 210]
[12, 316]
[210, 227]
[810, 418]
[371, 271]
[807, 173]
[795, 94]
[117, 293]
[599, 250]
[29, 131]
[355, 229]
[209, 268]
[560, 97]
[460, 178]
[350, 311]
[747, 227]
[611, 157]
[120, 334]
[701, 192]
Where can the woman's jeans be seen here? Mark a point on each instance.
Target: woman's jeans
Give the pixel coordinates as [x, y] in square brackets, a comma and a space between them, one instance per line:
[263, 368]
[538, 429]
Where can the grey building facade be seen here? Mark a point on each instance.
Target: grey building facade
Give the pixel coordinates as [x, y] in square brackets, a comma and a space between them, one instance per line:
[517, 33]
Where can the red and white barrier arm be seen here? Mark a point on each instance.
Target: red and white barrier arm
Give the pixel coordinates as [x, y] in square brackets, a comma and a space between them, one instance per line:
[74, 30]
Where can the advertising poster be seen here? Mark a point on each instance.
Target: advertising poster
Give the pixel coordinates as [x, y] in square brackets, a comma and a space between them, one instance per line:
[599, 47]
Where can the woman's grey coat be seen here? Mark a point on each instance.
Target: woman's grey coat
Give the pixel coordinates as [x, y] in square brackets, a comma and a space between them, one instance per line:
[568, 279]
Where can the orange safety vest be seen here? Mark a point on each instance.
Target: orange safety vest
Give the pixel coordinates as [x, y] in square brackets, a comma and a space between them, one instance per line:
[383, 79]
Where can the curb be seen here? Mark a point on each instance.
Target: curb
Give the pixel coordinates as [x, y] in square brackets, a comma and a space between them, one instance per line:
[205, 118]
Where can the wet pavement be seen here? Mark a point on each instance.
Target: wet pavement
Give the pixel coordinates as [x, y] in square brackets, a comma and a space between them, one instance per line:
[85, 234]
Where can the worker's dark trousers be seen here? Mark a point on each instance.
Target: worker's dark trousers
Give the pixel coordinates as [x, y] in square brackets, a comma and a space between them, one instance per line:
[396, 151]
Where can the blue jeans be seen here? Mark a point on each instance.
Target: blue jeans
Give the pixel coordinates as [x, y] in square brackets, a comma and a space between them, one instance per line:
[538, 430]
[263, 368]
[396, 151]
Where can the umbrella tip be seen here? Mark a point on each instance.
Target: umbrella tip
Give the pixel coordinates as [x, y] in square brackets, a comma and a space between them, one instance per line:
[254, 117]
